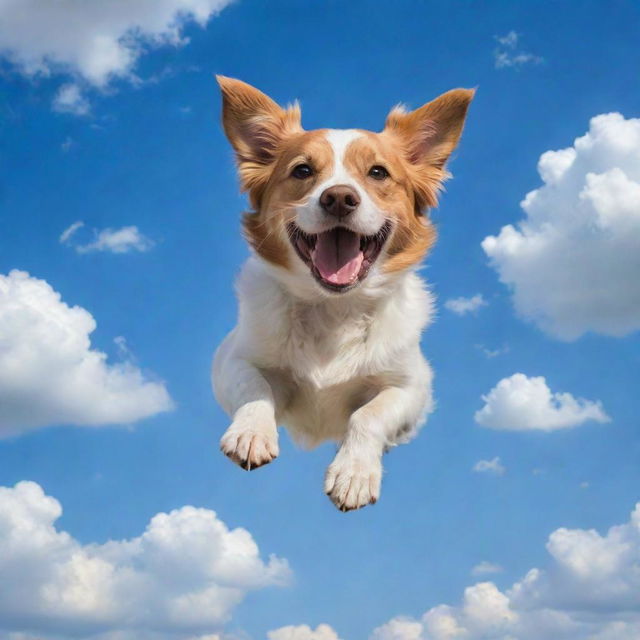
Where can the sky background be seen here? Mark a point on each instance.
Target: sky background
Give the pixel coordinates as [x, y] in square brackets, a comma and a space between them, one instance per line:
[140, 144]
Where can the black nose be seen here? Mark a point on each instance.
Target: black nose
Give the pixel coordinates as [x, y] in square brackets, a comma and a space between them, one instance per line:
[339, 200]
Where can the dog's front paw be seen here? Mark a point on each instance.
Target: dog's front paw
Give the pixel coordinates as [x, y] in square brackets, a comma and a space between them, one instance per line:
[250, 447]
[353, 481]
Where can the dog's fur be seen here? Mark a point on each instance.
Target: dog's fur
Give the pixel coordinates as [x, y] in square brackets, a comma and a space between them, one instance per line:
[333, 355]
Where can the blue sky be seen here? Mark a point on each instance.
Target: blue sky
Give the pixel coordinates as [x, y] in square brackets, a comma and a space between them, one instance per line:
[141, 145]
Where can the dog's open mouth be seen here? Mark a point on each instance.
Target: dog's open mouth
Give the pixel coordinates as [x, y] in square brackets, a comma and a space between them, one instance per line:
[338, 258]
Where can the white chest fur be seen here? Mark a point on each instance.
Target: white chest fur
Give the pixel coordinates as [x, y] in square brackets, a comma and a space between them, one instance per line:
[330, 340]
[324, 357]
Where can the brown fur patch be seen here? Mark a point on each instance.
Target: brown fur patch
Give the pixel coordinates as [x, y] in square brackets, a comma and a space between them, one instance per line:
[426, 138]
[429, 134]
[265, 228]
[256, 127]
[266, 239]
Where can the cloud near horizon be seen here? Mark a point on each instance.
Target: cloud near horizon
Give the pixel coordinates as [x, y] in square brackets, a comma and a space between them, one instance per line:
[181, 578]
[590, 589]
[303, 632]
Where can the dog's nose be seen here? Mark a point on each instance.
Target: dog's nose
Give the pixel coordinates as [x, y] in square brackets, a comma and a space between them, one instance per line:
[339, 200]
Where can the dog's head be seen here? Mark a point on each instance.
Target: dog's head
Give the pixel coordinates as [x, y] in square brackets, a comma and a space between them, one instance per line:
[334, 207]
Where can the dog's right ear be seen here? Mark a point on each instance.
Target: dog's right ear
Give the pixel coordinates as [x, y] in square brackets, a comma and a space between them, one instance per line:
[254, 124]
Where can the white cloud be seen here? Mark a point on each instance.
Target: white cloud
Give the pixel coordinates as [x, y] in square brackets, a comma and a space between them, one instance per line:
[590, 571]
[484, 609]
[508, 59]
[520, 403]
[590, 591]
[462, 306]
[49, 374]
[398, 629]
[507, 53]
[303, 632]
[493, 466]
[94, 41]
[123, 240]
[183, 575]
[572, 263]
[69, 99]
[485, 567]
[70, 231]
[510, 40]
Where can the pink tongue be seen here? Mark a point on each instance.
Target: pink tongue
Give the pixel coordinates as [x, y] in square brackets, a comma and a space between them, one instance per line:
[337, 256]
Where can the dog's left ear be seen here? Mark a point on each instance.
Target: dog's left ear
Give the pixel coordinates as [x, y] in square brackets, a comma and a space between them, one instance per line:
[253, 122]
[429, 134]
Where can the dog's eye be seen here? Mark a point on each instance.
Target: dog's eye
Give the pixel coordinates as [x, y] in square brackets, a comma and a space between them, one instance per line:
[302, 171]
[378, 172]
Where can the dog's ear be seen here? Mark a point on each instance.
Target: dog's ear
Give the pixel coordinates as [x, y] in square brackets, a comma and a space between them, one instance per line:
[253, 122]
[429, 134]
[427, 137]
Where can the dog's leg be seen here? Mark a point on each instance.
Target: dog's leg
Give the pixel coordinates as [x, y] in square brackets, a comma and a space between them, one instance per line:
[252, 439]
[353, 478]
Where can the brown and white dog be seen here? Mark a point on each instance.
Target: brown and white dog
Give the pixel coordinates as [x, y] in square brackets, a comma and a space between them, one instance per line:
[330, 307]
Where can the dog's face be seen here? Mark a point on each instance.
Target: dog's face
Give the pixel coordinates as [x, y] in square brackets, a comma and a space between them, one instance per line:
[333, 206]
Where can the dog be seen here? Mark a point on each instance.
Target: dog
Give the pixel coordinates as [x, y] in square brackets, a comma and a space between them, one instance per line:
[331, 309]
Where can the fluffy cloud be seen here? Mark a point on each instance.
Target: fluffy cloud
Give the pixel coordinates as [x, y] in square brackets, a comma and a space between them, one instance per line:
[572, 263]
[462, 306]
[520, 403]
[303, 632]
[94, 41]
[50, 375]
[398, 629]
[123, 240]
[508, 54]
[484, 610]
[590, 591]
[493, 466]
[183, 575]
